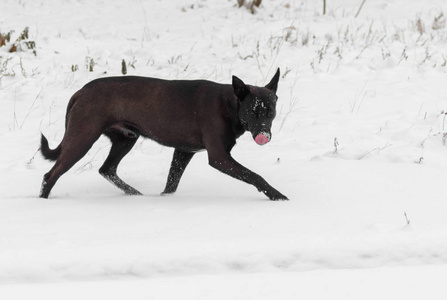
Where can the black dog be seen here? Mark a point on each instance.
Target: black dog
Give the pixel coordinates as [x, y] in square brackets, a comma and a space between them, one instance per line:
[187, 115]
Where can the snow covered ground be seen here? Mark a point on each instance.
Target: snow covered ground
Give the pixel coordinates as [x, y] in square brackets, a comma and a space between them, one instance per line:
[359, 147]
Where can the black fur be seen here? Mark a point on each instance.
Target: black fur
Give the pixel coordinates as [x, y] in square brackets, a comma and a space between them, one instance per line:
[186, 115]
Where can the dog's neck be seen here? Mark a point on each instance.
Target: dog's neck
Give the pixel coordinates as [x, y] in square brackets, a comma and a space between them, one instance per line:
[238, 125]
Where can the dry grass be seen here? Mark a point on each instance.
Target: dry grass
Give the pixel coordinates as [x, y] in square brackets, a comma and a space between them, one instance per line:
[250, 5]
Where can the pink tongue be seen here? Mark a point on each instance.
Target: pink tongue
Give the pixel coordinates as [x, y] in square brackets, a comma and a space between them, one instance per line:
[261, 139]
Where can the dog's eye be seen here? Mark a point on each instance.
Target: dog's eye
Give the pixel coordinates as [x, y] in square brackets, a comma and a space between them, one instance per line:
[270, 113]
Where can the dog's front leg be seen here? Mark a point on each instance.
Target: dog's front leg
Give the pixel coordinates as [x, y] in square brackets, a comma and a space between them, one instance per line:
[179, 162]
[225, 163]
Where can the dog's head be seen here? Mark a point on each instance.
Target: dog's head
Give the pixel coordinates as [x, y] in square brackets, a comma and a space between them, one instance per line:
[257, 107]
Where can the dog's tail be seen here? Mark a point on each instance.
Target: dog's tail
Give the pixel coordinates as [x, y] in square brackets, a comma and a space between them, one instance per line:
[51, 154]
[47, 152]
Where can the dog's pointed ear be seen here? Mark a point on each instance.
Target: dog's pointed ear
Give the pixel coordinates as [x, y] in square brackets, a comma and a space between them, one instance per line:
[240, 89]
[273, 84]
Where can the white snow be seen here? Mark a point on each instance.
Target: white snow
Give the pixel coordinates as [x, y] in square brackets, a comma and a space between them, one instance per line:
[358, 145]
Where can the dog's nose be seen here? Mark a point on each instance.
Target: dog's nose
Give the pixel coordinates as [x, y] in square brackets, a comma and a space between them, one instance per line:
[262, 138]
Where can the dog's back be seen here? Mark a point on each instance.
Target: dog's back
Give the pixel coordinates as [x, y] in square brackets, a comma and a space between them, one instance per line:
[167, 111]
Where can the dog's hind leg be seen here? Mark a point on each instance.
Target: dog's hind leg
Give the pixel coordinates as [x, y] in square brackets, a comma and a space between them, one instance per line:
[179, 162]
[72, 150]
[121, 145]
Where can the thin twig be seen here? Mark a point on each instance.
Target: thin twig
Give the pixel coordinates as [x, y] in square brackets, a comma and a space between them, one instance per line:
[372, 150]
[360, 8]
[32, 158]
[406, 218]
[292, 103]
[336, 145]
[30, 109]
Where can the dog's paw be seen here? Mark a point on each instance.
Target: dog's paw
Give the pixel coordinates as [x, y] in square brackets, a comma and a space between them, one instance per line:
[280, 198]
[275, 195]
